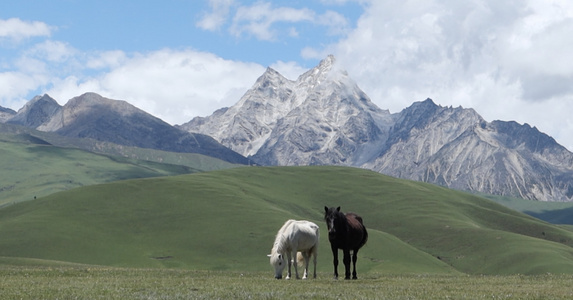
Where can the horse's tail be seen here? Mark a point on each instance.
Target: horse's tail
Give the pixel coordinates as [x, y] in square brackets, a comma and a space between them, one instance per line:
[364, 232]
[299, 259]
[364, 236]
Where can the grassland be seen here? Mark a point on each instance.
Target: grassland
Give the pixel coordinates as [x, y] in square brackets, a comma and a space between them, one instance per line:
[552, 212]
[33, 167]
[226, 221]
[85, 282]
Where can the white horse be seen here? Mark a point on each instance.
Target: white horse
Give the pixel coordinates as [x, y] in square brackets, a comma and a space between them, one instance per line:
[294, 237]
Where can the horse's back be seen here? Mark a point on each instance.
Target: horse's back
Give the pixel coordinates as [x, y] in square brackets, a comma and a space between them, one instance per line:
[305, 233]
[307, 227]
[359, 231]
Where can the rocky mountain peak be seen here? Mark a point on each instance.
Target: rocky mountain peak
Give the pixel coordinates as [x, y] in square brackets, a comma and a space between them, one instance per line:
[36, 112]
[323, 102]
[79, 107]
[327, 64]
[325, 71]
[92, 100]
[6, 114]
[325, 118]
[271, 75]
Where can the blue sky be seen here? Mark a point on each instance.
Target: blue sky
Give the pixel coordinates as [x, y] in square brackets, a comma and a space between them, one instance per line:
[176, 59]
[143, 26]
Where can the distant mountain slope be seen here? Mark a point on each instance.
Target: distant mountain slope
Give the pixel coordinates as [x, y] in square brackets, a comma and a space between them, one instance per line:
[192, 160]
[415, 228]
[323, 118]
[36, 112]
[6, 114]
[455, 147]
[99, 118]
[32, 167]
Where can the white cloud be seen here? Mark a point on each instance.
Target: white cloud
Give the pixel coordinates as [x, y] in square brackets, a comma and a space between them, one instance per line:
[258, 19]
[506, 59]
[264, 21]
[107, 59]
[13, 85]
[52, 51]
[217, 17]
[17, 29]
[174, 85]
[509, 60]
[336, 23]
[291, 70]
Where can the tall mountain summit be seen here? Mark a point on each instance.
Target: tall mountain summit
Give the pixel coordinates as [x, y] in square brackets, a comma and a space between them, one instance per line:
[323, 117]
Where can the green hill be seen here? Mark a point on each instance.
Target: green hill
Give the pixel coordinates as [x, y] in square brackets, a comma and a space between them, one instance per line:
[227, 220]
[36, 164]
[32, 167]
[552, 212]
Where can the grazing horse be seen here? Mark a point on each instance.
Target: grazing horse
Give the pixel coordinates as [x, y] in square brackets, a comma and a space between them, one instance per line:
[293, 237]
[346, 232]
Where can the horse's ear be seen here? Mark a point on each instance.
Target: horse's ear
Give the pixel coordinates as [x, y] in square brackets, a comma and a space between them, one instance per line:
[338, 208]
[325, 208]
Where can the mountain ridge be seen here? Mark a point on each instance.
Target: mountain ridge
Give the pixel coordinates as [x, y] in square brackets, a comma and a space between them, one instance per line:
[93, 116]
[333, 122]
[324, 118]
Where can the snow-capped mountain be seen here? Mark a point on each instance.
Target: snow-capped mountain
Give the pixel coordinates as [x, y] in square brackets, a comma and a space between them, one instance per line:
[455, 147]
[324, 118]
[321, 118]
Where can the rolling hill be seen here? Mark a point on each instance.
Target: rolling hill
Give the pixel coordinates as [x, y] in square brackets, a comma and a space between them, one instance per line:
[227, 220]
[36, 164]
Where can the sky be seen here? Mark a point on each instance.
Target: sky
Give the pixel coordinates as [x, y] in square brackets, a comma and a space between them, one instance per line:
[176, 59]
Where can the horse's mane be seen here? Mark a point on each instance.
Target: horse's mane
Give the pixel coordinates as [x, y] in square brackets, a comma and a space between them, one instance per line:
[279, 239]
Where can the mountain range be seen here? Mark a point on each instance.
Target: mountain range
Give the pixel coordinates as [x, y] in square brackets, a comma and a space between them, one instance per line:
[324, 118]
[95, 117]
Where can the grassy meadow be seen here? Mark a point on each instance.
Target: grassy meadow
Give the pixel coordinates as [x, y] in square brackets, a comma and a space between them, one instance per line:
[85, 282]
[226, 221]
[206, 236]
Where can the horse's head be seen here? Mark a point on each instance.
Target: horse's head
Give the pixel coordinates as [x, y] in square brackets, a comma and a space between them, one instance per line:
[331, 216]
[277, 261]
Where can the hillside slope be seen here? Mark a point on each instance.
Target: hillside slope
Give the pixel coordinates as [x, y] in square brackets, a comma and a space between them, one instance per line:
[32, 167]
[227, 220]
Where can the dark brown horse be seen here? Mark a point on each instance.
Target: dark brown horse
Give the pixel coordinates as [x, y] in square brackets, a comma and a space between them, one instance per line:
[346, 232]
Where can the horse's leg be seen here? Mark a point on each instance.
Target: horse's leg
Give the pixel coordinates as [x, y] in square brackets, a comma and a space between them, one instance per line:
[305, 255]
[289, 262]
[315, 253]
[335, 260]
[354, 258]
[295, 263]
[346, 261]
